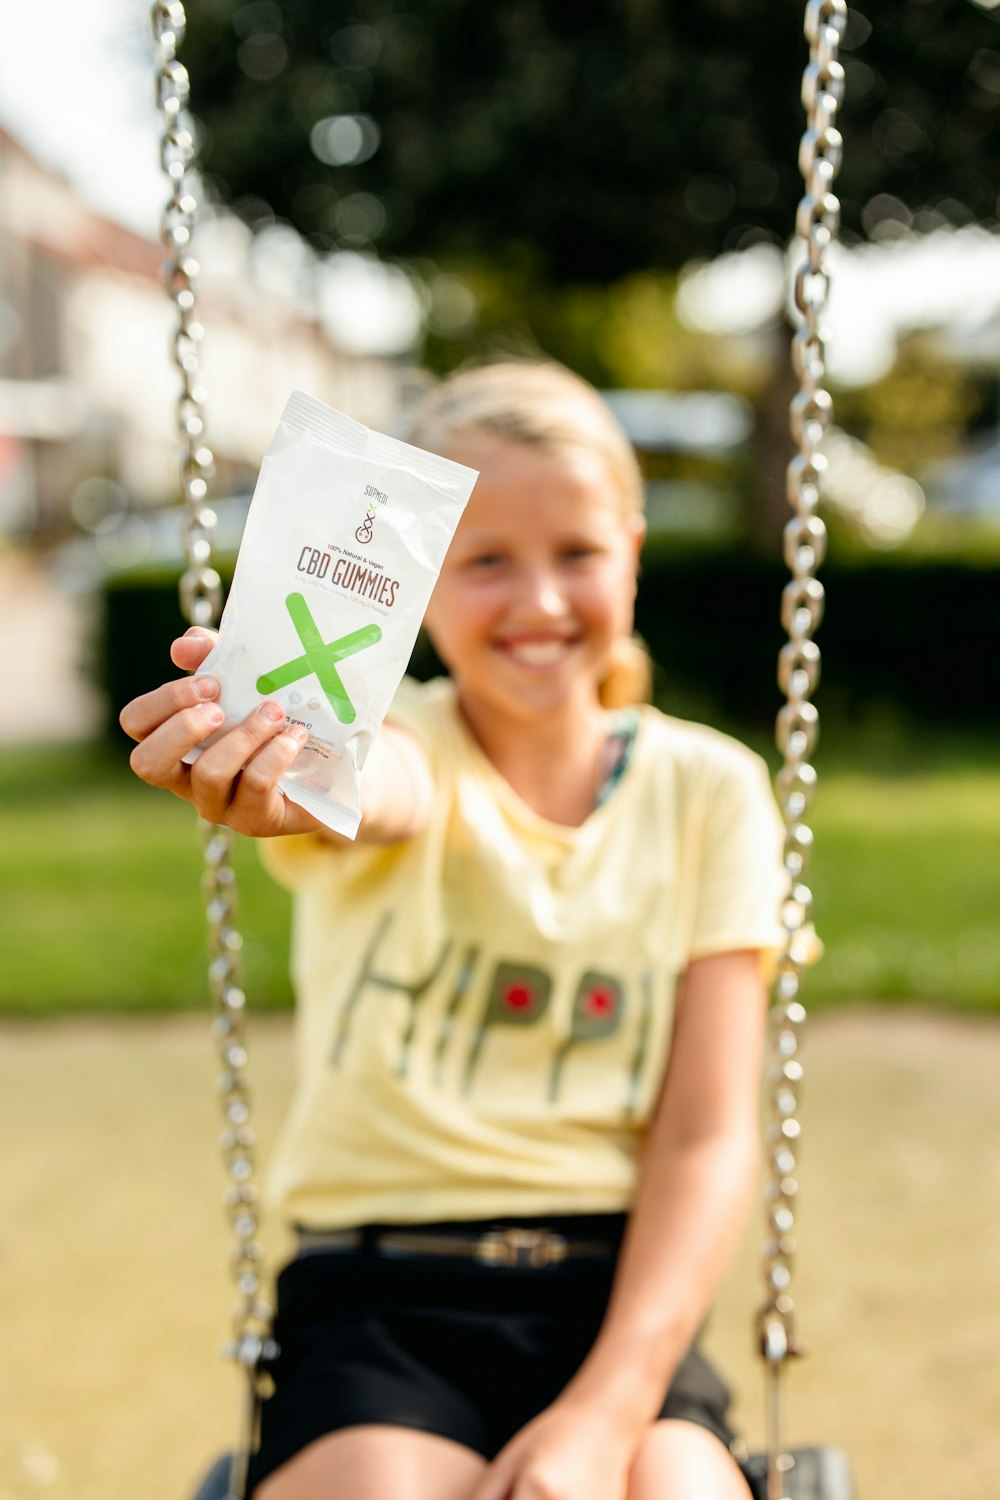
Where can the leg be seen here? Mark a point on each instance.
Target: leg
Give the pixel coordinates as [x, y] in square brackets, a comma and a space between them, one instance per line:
[682, 1461]
[375, 1462]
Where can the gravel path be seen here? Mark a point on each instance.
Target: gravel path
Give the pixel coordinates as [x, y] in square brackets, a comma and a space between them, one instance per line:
[114, 1296]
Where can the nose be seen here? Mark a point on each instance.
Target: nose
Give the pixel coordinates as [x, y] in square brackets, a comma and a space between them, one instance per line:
[540, 595]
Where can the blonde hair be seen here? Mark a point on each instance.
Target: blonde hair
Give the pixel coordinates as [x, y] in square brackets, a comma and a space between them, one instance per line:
[546, 406]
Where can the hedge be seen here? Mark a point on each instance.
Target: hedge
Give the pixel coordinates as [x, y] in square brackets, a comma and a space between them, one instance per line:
[913, 639]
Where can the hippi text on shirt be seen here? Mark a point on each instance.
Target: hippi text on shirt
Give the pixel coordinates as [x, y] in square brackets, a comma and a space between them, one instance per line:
[344, 541]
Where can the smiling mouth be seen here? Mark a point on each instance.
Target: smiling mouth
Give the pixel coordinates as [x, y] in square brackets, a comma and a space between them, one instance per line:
[537, 654]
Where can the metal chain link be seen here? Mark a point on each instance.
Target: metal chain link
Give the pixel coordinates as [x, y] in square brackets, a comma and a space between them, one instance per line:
[817, 223]
[201, 603]
[201, 587]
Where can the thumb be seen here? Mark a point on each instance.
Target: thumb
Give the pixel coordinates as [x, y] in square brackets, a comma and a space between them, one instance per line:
[191, 649]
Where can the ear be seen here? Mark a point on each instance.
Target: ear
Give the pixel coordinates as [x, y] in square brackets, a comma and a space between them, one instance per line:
[635, 527]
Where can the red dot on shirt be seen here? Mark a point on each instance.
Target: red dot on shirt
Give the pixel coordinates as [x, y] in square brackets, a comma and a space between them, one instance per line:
[518, 997]
[599, 1002]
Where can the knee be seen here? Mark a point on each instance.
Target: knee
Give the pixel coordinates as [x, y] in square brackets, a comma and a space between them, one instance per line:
[682, 1461]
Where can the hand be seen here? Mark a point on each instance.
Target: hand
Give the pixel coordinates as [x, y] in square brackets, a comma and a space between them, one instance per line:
[569, 1452]
[234, 781]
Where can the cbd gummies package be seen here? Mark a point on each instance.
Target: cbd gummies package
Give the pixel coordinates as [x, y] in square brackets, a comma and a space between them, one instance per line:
[344, 541]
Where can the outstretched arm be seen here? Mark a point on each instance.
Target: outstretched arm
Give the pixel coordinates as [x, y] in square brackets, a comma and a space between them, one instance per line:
[235, 781]
[697, 1178]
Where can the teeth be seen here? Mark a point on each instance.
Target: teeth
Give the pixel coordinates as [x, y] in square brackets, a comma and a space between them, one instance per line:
[538, 653]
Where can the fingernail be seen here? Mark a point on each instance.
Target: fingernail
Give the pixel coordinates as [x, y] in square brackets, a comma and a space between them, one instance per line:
[206, 687]
[213, 713]
[298, 732]
[274, 712]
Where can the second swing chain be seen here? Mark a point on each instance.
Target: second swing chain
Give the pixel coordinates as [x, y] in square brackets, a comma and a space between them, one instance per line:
[817, 224]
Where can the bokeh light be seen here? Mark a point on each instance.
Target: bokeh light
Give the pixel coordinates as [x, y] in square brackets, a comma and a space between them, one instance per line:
[344, 140]
[883, 505]
[356, 46]
[98, 501]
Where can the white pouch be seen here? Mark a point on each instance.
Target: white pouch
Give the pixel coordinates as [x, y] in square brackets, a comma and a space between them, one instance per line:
[343, 544]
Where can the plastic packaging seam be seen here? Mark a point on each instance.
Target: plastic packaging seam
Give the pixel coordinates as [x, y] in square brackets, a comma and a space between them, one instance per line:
[335, 815]
[305, 414]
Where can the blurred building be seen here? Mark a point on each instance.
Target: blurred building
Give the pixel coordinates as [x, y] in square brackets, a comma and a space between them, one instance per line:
[86, 386]
[87, 396]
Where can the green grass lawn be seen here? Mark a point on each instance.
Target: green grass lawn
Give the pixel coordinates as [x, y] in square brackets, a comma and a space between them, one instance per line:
[99, 884]
[101, 897]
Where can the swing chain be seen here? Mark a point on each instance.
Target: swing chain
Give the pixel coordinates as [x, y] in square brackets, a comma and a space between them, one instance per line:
[817, 224]
[201, 587]
[201, 603]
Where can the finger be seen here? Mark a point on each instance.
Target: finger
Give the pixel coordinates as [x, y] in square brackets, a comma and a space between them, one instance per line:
[258, 805]
[189, 650]
[148, 712]
[214, 773]
[158, 757]
[495, 1485]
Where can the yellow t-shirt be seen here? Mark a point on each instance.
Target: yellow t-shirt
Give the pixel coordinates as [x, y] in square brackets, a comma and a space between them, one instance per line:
[484, 1011]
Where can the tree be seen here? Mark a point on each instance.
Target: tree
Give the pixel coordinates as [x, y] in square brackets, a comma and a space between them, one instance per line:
[585, 141]
[557, 149]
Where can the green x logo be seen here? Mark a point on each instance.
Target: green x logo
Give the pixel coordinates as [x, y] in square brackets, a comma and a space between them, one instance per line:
[320, 658]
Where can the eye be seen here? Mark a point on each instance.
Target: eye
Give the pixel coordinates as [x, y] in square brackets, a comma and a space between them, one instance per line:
[580, 551]
[485, 561]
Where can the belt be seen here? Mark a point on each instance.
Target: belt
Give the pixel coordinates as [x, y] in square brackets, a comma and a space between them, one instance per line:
[512, 1248]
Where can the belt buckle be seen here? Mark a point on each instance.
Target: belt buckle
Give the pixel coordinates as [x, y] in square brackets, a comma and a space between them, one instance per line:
[513, 1248]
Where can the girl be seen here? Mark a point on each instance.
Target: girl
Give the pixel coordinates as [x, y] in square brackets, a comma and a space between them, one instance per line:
[530, 1012]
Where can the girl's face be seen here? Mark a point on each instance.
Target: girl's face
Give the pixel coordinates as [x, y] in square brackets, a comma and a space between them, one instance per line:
[539, 581]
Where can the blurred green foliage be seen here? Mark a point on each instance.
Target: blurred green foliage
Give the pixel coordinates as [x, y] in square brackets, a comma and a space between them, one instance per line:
[920, 411]
[582, 143]
[908, 636]
[545, 170]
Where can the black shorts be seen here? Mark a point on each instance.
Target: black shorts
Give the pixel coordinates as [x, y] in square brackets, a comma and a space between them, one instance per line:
[445, 1345]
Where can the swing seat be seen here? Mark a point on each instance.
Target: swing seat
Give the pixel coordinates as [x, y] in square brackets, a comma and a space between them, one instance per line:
[822, 1473]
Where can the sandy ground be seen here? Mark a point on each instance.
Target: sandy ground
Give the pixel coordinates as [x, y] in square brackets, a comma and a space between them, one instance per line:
[114, 1297]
